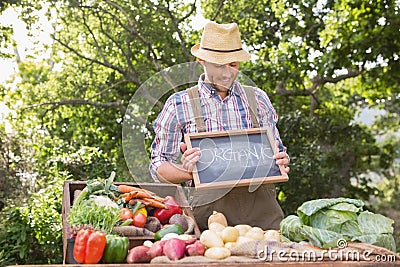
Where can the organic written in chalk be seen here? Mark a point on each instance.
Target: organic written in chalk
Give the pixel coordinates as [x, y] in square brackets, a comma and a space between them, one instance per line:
[241, 156]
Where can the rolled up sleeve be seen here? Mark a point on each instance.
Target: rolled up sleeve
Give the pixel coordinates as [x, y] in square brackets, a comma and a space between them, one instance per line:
[168, 135]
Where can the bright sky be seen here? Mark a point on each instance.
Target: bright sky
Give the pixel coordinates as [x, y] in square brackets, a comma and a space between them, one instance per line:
[26, 45]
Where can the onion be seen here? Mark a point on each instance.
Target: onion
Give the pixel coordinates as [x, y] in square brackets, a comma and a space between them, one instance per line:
[217, 217]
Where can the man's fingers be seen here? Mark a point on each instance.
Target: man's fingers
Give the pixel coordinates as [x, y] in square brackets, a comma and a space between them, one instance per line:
[286, 169]
[194, 150]
[183, 147]
[189, 164]
[189, 158]
[282, 159]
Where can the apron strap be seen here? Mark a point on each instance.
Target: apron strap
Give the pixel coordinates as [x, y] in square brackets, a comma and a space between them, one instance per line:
[251, 98]
[193, 94]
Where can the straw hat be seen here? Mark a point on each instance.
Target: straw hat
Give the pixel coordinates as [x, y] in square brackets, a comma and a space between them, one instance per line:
[220, 44]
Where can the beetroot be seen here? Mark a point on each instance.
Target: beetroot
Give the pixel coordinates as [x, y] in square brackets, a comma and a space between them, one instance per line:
[174, 248]
[195, 249]
[179, 219]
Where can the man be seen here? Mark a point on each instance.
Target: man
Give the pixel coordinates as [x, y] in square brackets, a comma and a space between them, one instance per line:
[224, 105]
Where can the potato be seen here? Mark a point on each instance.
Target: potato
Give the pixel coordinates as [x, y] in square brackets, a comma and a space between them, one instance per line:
[242, 228]
[217, 253]
[138, 254]
[230, 245]
[195, 249]
[156, 249]
[229, 234]
[273, 235]
[255, 233]
[216, 227]
[211, 239]
[174, 249]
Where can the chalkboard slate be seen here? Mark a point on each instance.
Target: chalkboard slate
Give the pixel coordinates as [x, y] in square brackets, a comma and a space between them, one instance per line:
[235, 158]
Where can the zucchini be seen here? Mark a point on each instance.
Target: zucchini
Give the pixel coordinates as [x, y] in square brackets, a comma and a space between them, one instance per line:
[173, 228]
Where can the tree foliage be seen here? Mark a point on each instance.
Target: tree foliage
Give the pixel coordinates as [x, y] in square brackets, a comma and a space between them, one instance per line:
[319, 61]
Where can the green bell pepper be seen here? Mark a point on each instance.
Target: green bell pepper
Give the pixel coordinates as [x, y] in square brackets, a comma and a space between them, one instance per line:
[116, 249]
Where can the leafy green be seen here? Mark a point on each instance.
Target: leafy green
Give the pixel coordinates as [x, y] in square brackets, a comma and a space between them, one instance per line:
[323, 222]
[98, 187]
[371, 223]
[88, 213]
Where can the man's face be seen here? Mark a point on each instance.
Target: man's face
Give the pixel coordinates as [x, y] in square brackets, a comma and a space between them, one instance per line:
[219, 76]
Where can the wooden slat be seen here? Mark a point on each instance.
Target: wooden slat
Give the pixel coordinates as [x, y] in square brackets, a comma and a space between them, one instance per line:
[222, 264]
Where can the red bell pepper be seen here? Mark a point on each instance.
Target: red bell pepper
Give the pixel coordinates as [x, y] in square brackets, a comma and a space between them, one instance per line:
[172, 207]
[89, 246]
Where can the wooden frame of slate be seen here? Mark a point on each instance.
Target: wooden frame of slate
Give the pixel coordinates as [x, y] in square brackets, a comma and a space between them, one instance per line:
[235, 158]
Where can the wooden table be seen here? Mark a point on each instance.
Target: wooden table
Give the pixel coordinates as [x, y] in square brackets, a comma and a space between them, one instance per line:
[260, 264]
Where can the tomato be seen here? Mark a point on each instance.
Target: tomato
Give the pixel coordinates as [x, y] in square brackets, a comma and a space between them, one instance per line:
[139, 219]
[126, 214]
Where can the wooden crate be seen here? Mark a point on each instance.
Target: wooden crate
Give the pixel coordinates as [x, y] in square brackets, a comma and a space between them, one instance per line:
[161, 189]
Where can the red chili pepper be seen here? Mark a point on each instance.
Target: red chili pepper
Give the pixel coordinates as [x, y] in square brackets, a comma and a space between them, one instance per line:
[89, 246]
[172, 207]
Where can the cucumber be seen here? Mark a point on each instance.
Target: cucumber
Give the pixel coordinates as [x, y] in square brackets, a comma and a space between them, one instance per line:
[173, 228]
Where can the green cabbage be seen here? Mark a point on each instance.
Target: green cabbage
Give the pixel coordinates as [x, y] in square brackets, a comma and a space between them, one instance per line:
[323, 222]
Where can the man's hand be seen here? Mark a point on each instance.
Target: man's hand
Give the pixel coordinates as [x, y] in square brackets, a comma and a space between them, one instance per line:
[189, 157]
[282, 158]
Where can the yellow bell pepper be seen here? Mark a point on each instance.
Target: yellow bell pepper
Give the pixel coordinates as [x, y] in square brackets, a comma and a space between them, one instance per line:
[142, 210]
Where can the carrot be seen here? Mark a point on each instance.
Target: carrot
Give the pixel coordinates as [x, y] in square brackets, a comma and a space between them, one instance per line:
[123, 188]
[135, 194]
[159, 199]
[153, 203]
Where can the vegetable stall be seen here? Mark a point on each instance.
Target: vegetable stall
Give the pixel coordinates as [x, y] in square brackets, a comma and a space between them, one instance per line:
[106, 222]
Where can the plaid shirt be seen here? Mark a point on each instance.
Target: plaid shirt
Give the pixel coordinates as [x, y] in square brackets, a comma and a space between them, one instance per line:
[231, 113]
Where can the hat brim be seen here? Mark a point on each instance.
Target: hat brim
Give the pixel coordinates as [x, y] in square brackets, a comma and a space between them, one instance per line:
[220, 57]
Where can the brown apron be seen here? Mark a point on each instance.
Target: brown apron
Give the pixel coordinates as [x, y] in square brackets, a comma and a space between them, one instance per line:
[240, 205]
